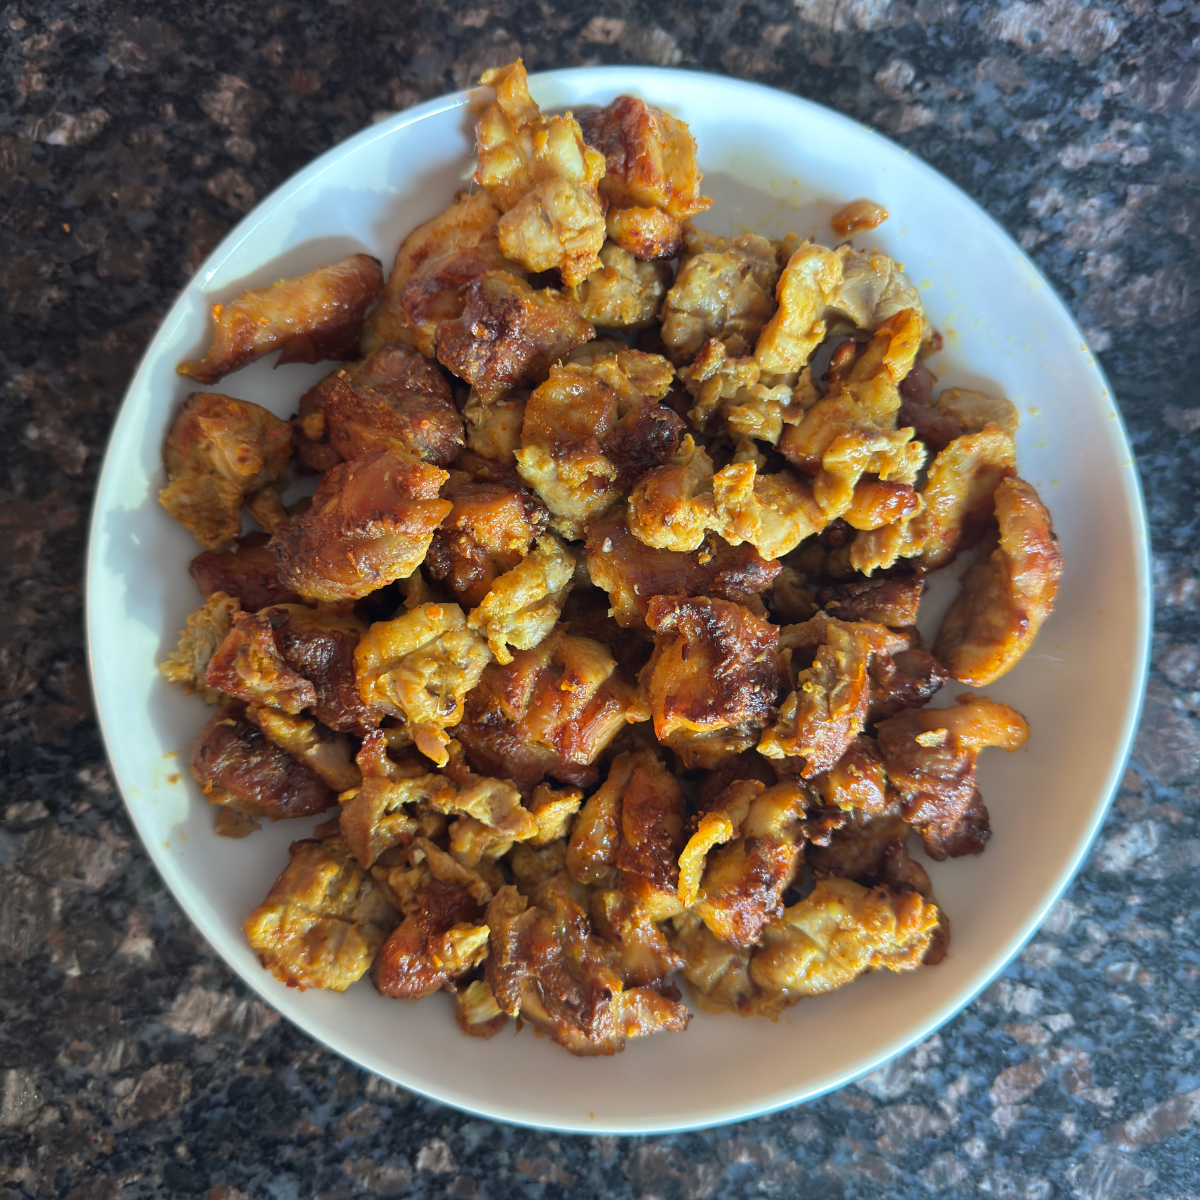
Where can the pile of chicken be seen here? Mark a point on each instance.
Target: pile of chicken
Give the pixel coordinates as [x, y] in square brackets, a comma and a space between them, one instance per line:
[601, 647]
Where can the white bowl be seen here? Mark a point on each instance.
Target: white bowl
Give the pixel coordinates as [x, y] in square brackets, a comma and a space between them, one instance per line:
[773, 163]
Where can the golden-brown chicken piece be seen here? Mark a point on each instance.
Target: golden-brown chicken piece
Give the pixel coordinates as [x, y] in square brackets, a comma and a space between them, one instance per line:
[545, 966]
[715, 670]
[248, 665]
[858, 216]
[395, 400]
[476, 1010]
[622, 293]
[724, 289]
[743, 878]
[672, 507]
[206, 629]
[420, 667]
[808, 285]
[857, 780]
[490, 817]
[323, 920]
[249, 573]
[840, 930]
[774, 513]
[218, 451]
[892, 601]
[491, 527]
[330, 755]
[718, 973]
[382, 812]
[857, 847]
[629, 918]
[651, 180]
[929, 755]
[551, 711]
[901, 677]
[494, 430]
[433, 268]
[632, 573]
[872, 290]
[828, 708]
[523, 605]
[542, 176]
[591, 429]
[238, 768]
[1006, 595]
[308, 318]
[370, 523]
[509, 334]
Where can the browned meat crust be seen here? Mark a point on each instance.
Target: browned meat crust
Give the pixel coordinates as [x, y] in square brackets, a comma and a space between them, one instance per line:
[250, 572]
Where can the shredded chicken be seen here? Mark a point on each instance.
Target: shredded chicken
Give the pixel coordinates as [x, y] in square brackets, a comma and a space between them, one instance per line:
[218, 451]
[323, 920]
[307, 319]
[542, 176]
[1006, 595]
[207, 628]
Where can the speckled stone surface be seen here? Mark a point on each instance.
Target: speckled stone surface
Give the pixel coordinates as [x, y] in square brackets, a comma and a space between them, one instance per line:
[131, 137]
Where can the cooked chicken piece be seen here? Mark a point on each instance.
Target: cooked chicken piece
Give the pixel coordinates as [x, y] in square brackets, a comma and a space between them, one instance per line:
[218, 451]
[433, 267]
[622, 293]
[651, 181]
[873, 289]
[420, 667]
[370, 523]
[249, 573]
[248, 665]
[554, 810]
[774, 513]
[490, 820]
[791, 598]
[957, 411]
[809, 284]
[545, 966]
[840, 930]
[267, 508]
[509, 334]
[587, 614]
[902, 678]
[857, 781]
[929, 755]
[828, 708]
[377, 815]
[891, 602]
[724, 289]
[494, 430]
[672, 507]
[858, 216]
[238, 768]
[857, 848]
[958, 494]
[207, 628]
[715, 668]
[551, 711]
[591, 430]
[329, 754]
[308, 318]
[1006, 595]
[718, 973]
[394, 400]
[540, 174]
[524, 604]
[900, 872]
[733, 396]
[476, 1010]
[323, 920]
[626, 918]
[876, 502]
[974, 411]
[490, 529]
[633, 573]
[742, 882]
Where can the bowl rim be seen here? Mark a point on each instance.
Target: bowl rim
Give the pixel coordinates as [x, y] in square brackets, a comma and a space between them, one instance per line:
[623, 77]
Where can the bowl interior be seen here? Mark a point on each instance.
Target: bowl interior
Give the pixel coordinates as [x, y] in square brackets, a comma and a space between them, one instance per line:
[772, 163]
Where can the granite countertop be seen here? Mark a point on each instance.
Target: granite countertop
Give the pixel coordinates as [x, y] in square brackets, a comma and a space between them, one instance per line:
[131, 137]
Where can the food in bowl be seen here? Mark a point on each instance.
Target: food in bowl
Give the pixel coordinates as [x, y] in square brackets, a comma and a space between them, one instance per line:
[598, 633]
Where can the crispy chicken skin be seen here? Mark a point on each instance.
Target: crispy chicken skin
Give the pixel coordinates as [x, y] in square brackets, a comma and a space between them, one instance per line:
[323, 920]
[857, 216]
[249, 572]
[238, 767]
[551, 711]
[371, 522]
[807, 286]
[218, 451]
[650, 174]
[724, 289]
[248, 665]
[838, 931]
[206, 629]
[419, 668]
[633, 573]
[884, 601]
[1006, 595]
[545, 966]
[542, 176]
[929, 755]
[491, 527]
[509, 334]
[857, 780]
[591, 429]
[731, 397]
[308, 318]
[433, 268]
[393, 400]
[715, 670]
[622, 293]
